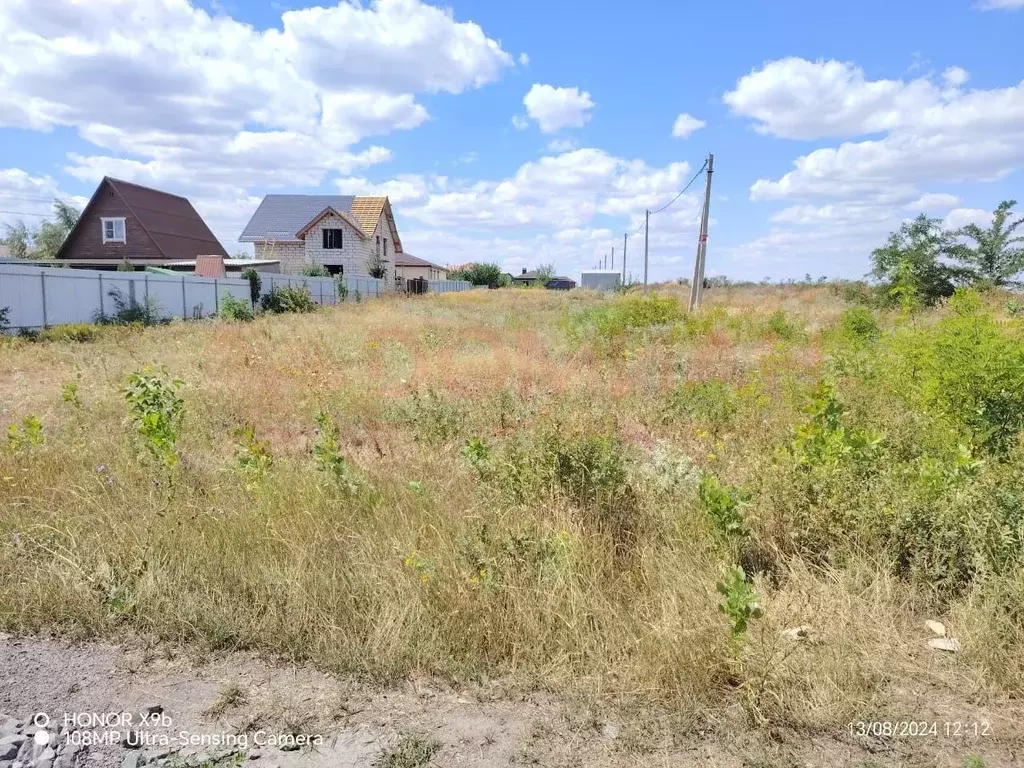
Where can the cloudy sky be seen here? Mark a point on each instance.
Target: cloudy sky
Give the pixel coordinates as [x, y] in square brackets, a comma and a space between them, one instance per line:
[531, 131]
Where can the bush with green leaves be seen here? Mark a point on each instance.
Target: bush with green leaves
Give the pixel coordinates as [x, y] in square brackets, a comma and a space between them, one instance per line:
[724, 505]
[966, 373]
[27, 435]
[710, 402]
[615, 317]
[314, 270]
[281, 300]
[130, 311]
[327, 452]
[476, 273]
[341, 286]
[69, 393]
[825, 442]
[433, 416]
[741, 603]
[234, 309]
[5, 320]
[75, 332]
[252, 454]
[782, 326]
[156, 411]
[255, 284]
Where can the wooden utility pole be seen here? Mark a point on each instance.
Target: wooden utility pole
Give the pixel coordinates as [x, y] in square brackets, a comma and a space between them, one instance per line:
[647, 227]
[697, 289]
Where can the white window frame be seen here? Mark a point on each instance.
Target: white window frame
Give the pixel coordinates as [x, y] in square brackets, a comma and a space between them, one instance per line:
[114, 220]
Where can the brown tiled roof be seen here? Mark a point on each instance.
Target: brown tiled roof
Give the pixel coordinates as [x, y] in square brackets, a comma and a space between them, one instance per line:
[175, 226]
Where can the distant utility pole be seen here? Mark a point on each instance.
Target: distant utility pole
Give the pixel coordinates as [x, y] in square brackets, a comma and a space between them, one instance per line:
[647, 226]
[613, 257]
[624, 239]
[697, 289]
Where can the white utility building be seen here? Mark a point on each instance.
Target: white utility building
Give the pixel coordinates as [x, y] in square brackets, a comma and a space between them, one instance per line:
[601, 279]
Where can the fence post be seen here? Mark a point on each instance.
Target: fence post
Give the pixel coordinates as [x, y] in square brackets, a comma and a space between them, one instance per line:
[321, 292]
[101, 294]
[145, 279]
[216, 298]
[184, 301]
[42, 285]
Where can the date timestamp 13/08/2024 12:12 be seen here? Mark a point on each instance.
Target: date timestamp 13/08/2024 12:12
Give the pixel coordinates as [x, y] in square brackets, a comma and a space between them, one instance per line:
[910, 728]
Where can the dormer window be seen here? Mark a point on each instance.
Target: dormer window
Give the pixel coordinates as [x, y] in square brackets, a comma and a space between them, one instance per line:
[113, 230]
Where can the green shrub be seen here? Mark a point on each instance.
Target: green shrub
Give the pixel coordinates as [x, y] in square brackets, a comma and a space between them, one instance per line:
[129, 311]
[618, 316]
[253, 455]
[967, 372]
[5, 320]
[315, 270]
[711, 402]
[255, 284]
[288, 299]
[327, 452]
[740, 605]
[234, 309]
[433, 417]
[69, 393]
[724, 505]
[780, 324]
[76, 332]
[859, 323]
[27, 435]
[156, 410]
[825, 442]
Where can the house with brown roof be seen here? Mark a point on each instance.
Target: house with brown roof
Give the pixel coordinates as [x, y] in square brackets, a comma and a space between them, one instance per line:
[409, 267]
[145, 227]
[342, 233]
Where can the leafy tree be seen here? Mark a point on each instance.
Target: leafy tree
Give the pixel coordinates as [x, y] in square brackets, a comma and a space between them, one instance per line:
[544, 274]
[17, 240]
[480, 274]
[911, 261]
[996, 255]
[48, 238]
[375, 267]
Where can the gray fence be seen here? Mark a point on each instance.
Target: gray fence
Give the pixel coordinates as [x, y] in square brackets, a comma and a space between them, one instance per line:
[448, 286]
[41, 296]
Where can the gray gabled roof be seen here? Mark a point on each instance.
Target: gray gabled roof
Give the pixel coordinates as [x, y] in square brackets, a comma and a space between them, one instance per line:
[408, 260]
[279, 217]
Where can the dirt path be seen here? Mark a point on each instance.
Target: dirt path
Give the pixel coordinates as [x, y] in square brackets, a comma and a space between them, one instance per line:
[232, 708]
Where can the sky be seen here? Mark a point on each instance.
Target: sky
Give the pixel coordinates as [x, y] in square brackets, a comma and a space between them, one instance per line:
[526, 133]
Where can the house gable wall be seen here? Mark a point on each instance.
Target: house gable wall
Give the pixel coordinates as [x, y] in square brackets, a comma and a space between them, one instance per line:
[352, 254]
[86, 241]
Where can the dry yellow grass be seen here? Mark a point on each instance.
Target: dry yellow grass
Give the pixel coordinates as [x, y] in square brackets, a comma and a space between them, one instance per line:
[423, 566]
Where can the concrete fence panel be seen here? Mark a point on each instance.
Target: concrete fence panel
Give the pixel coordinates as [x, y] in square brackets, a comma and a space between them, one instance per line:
[42, 296]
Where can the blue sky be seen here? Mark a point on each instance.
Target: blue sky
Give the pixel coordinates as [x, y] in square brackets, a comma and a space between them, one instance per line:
[531, 132]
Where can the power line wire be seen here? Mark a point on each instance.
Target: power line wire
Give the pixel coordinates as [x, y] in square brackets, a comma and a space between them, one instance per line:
[689, 184]
[26, 213]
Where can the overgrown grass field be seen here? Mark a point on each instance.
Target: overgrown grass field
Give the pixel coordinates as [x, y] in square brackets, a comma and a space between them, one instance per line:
[602, 495]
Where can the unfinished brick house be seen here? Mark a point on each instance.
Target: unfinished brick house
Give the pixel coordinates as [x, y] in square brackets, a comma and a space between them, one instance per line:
[342, 233]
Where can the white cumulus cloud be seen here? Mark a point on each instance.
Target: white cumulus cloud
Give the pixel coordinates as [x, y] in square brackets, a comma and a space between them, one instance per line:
[556, 108]
[685, 125]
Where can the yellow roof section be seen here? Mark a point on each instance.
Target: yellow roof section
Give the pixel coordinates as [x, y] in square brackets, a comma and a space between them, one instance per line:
[367, 211]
